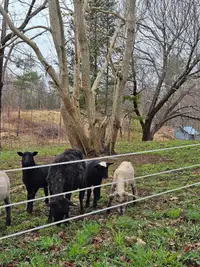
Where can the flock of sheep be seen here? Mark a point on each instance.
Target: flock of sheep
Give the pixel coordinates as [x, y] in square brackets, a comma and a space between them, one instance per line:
[67, 177]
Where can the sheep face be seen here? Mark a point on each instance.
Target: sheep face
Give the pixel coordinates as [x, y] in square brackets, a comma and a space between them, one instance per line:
[102, 167]
[60, 208]
[27, 158]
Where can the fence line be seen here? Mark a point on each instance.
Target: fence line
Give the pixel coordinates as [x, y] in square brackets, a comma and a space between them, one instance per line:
[98, 211]
[99, 158]
[97, 186]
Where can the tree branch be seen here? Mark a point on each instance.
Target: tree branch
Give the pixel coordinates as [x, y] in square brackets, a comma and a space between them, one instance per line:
[28, 17]
[135, 94]
[112, 42]
[33, 45]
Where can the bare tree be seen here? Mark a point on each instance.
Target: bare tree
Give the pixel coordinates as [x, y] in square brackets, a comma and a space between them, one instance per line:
[6, 39]
[3, 34]
[79, 137]
[167, 63]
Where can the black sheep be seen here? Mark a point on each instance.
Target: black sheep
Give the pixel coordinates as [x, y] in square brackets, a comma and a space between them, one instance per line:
[33, 179]
[96, 170]
[64, 178]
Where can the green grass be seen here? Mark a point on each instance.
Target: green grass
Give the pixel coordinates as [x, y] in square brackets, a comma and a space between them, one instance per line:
[161, 231]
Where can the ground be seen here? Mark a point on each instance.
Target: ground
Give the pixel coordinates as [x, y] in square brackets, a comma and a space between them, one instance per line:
[161, 231]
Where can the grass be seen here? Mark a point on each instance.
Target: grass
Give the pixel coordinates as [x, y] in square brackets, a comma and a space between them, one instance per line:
[161, 231]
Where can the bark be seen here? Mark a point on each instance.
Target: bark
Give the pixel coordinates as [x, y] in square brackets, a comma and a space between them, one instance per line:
[122, 78]
[147, 133]
[86, 83]
[77, 80]
[75, 133]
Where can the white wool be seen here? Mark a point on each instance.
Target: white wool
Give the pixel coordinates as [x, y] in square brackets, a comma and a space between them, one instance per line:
[103, 164]
[122, 174]
[4, 185]
[123, 178]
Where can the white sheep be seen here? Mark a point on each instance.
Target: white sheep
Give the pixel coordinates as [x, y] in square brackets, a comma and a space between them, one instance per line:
[122, 178]
[5, 194]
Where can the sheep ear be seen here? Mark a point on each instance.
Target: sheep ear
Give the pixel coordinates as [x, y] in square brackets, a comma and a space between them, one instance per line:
[20, 154]
[101, 164]
[34, 153]
[70, 203]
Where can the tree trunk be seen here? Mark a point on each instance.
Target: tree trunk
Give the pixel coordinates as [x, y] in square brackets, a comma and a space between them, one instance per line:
[75, 133]
[129, 128]
[1, 88]
[147, 133]
[2, 49]
[77, 83]
[94, 140]
[19, 112]
[123, 76]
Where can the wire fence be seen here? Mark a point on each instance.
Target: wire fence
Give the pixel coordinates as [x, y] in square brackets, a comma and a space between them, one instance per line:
[97, 211]
[97, 186]
[100, 158]
[106, 184]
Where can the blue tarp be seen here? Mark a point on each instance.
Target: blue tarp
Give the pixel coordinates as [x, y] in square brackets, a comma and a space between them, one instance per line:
[186, 133]
[190, 130]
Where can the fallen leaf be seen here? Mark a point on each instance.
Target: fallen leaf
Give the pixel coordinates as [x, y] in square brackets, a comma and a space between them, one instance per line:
[67, 264]
[131, 239]
[62, 235]
[173, 198]
[97, 239]
[187, 249]
[140, 242]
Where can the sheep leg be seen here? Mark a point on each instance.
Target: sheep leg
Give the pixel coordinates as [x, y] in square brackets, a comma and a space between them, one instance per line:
[81, 197]
[50, 217]
[8, 211]
[96, 196]
[46, 194]
[111, 197]
[134, 191]
[31, 195]
[88, 198]
[68, 196]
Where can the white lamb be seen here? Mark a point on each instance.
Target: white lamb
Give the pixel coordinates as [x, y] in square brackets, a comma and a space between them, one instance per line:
[5, 194]
[123, 177]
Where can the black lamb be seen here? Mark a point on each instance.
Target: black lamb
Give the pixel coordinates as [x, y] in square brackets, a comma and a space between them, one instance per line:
[64, 178]
[96, 170]
[33, 179]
